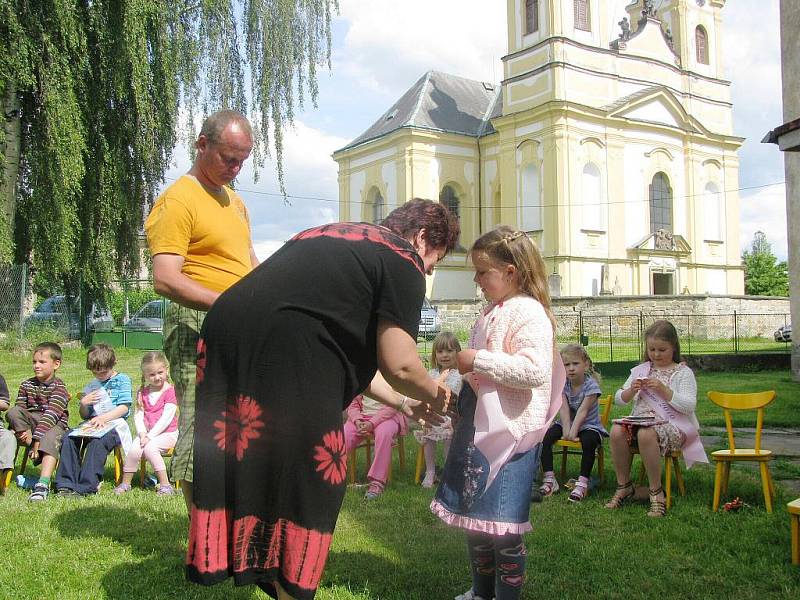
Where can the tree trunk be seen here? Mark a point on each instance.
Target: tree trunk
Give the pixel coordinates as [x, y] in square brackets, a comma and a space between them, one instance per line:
[9, 150]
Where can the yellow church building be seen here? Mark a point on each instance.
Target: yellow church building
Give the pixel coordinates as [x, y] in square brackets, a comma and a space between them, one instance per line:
[609, 141]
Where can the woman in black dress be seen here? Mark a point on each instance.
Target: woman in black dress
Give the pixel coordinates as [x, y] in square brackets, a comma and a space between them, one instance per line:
[331, 314]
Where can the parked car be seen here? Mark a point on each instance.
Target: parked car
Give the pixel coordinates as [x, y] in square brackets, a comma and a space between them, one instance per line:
[429, 324]
[149, 317]
[63, 313]
[783, 334]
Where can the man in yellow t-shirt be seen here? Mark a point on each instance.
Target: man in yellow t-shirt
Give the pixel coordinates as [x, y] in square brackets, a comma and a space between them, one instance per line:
[199, 237]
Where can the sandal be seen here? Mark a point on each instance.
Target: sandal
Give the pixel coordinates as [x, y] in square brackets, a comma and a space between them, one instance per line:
[579, 492]
[658, 508]
[549, 486]
[621, 496]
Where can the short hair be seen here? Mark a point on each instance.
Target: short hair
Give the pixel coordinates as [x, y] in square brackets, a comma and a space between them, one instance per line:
[52, 348]
[100, 356]
[216, 123]
[440, 225]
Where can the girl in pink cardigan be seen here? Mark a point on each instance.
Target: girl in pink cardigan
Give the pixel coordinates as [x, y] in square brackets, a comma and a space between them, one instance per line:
[504, 412]
[369, 418]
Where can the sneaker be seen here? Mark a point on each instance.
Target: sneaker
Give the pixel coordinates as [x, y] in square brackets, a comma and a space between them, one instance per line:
[165, 490]
[469, 595]
[66, 493]
[430, 476]
[374, 490]
[39, 493]
[122, 488]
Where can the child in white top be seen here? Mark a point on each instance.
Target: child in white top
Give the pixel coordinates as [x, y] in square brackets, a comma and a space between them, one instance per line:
[443, 358]
[156, 424]
[665, 391]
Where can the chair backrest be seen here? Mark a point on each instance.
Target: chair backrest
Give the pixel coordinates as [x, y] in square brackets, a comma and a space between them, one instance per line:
[754, 401]
[604, 405]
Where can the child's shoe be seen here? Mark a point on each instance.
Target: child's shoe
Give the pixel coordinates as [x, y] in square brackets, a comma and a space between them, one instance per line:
[430, 476]
[165, 490]
[580, 491]
[374, 490]
[549, 485]
[66, 493]
[39, 493]
[122, 488]
[470, 595]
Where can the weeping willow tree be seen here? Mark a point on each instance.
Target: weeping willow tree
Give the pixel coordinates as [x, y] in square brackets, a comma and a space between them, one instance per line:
[95, 94]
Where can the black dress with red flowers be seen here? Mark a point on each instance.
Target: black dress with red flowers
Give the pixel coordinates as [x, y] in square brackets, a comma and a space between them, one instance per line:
[282, 353]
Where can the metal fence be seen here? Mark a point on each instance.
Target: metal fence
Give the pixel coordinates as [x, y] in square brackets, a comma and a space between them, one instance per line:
[13, 292]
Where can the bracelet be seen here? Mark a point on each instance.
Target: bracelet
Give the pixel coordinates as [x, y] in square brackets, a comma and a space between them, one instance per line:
[402, 404]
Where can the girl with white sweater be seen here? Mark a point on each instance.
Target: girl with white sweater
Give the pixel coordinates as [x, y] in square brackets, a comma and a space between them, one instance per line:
[505, 410]
[664, 392]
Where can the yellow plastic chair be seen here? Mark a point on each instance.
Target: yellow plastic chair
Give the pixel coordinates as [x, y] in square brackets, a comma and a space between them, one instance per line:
[143, 468]
[670, 464]
[5, 479]
[794, 516]
[723, 458]
[367, 445]
[574, 447]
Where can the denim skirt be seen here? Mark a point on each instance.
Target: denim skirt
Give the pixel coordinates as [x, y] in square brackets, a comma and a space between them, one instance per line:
[463, 491]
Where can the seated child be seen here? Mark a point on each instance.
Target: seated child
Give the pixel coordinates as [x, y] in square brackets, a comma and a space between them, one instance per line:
[8, 443]
[367, 417]
[580, 420]
[156, 424]
[105, 406]
[443, 357]
[39, 416]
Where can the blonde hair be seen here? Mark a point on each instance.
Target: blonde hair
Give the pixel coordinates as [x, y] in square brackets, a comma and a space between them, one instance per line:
[152, 358]
[505, 246]
[444, 341]
[579, 351]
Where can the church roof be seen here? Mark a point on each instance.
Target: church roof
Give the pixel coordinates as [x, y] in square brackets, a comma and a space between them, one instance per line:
[440, 102]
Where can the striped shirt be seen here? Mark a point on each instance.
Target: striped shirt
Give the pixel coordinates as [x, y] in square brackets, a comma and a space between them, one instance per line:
[50, 399]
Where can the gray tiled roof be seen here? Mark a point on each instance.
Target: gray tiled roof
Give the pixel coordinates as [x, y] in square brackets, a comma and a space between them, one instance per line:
[440, 102]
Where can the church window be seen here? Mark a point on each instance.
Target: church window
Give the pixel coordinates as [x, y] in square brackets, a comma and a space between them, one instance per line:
[712, 212]
[531, 16]
[449, 198]
[660, 204]
[531, 199]
[591, 199]
[377, 205]
[701, 43]
[582, 15]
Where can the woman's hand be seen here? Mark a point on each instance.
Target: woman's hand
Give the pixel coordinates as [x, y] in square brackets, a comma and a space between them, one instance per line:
[466, 360]
[421, 412]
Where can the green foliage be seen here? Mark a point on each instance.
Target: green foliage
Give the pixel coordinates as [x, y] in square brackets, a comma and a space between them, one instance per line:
[98, 87]
[763, 274]
[136, 297]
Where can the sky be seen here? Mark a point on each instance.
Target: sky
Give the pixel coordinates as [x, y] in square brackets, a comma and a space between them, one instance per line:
[381, 47]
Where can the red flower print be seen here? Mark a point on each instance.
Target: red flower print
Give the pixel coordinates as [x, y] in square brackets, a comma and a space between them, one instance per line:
[240, 423]
[332, 457]
[200, 372]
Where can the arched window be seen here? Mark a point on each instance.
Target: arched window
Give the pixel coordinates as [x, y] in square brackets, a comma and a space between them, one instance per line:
[701, 44]
[712, 212]
[531, 200]
[449, 198]
[592, 199]
[377, 206]
[660, 203]
[582, 20]
[531, 16]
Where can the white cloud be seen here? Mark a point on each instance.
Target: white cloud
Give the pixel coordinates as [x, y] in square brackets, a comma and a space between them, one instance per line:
[765, 210]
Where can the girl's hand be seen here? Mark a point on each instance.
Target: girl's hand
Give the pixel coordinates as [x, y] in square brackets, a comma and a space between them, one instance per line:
[466, 360]
[637, 384]
[654, 385]
[572, 436]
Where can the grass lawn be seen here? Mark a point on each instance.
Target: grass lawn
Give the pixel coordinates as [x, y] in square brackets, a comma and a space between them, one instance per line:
[393, 548]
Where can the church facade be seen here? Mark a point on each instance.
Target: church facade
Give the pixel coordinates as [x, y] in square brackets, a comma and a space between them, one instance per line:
[610, 142]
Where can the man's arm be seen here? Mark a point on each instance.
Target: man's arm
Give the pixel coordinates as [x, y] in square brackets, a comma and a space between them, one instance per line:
[169, 281]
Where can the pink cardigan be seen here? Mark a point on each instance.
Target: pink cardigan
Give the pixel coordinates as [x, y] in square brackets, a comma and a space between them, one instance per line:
[519, 359]
[354, 411]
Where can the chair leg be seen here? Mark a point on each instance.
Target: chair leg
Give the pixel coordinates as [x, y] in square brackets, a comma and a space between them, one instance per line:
[726, 477]
[401, 452]
[601, 468]
[717, 486]
[795, 520]
[668, 482]
[117, 465]
[351, 466]
[420, 462]
[765, 486]
[142, 471]
[563, 463]
[679, 476]
[771, 482]
[5, 479]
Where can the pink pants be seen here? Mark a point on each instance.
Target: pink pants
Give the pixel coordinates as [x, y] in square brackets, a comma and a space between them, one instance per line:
[382, 446]
[152, 452]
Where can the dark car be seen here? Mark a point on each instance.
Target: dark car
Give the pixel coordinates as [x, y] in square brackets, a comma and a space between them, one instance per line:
[63, 313]
[783, 334]
[429, 324]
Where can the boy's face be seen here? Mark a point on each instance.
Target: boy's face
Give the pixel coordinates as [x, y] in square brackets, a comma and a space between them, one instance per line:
[44, 366]
[103, 373]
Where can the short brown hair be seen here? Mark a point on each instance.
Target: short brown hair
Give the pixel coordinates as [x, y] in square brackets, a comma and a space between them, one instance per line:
[100, 356]
[440, 225]
[216, 123]
[52, 348]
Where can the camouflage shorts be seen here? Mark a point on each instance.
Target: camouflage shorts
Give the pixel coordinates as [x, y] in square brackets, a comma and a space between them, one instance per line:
[181, 334]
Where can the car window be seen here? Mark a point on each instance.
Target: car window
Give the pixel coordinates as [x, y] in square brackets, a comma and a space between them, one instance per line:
[151, 310]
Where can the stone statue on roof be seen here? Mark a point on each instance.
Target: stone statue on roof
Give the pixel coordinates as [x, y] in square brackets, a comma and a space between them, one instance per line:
[649, 9]
[626, 29]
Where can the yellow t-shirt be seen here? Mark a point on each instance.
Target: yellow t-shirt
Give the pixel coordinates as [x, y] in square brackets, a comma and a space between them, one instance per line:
[211, 232]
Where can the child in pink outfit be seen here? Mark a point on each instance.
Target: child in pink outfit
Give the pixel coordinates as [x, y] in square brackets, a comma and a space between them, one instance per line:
[365, 418]
[156, 421]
